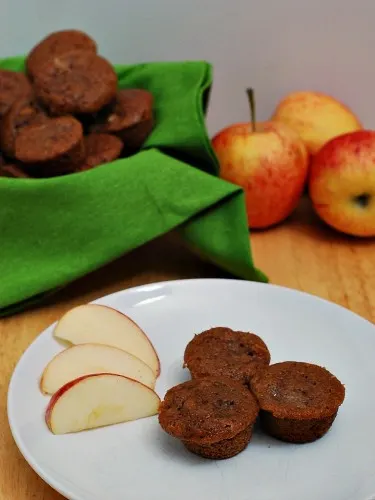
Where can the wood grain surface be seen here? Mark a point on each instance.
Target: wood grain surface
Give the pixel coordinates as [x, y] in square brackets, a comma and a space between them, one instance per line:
[301, 253]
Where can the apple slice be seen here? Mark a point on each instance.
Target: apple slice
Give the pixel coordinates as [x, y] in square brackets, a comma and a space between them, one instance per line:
[93, 323]
[86, 359]
[99, 400]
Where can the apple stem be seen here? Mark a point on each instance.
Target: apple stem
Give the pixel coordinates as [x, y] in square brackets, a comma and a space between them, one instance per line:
[250, 96]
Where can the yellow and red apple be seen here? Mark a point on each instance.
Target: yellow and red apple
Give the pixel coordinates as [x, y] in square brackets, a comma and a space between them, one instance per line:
[342, 183]
[269, 161]
[99, 400]
[316, 117]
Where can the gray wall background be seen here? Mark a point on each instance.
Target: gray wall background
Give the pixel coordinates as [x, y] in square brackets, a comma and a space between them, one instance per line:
[273, 45]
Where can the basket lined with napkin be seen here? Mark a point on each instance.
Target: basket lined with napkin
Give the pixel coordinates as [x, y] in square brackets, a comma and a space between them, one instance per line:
[55, 230]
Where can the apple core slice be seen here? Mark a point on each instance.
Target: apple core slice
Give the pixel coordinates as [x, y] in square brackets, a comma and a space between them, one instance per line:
[86, 359]
[93, 323]
[99, 400]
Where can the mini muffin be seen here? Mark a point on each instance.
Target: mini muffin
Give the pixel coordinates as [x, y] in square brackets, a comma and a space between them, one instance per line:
[213, 417]
[130, 117]
[75, 83]
[23, 112]
[13, 86]
[51, 148]
[101, 148]
[56, 44]
[13, 171]
[223, 352]
[298, 401]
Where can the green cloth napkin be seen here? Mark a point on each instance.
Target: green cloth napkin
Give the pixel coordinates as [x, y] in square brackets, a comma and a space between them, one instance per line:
[53, 231]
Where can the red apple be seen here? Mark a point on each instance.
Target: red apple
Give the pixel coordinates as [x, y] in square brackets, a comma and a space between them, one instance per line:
[269, 161]
[342, 183]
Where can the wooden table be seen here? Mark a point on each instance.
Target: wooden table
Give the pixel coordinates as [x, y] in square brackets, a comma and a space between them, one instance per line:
[301, 254]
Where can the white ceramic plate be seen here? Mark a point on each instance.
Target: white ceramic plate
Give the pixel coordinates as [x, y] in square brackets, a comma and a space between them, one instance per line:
[138, 461]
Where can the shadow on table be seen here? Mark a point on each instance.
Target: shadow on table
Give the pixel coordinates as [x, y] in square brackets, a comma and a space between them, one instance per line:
[165, 258]
[305, 221]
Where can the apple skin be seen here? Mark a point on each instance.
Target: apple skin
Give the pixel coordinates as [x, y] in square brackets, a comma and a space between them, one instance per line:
[316, 117]
[93, 307]
[84, 359]
[158, 371]
[270, 164]
[55, 398]
[342, 183]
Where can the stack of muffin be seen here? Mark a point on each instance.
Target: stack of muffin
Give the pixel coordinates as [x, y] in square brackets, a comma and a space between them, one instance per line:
[67, 114]
[233, 382]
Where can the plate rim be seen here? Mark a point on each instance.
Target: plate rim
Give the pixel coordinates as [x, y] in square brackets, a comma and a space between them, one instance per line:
[54, 483]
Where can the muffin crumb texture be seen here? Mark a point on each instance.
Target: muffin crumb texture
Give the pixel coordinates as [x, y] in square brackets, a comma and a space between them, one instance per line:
[213, 416]
[299, 401]
[224, 352]
[233, 383]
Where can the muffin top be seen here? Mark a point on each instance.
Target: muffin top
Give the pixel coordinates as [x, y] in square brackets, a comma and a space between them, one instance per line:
[13, 86]
[208, 410]
[48, 140]
[23, 112]
[101, 148]
[58, 43]
[297, 390]
[75, 82]
[224, 352]
[131, 106]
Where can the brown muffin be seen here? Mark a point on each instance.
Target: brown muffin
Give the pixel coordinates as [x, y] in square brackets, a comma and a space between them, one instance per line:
[298, 401]
[23, 112]
[56, 44]
[75, 82]
[213, 417]
[13, 86]
[51, 148]
[223, 352]
[101, 148]
[130, 117]
[13, 171]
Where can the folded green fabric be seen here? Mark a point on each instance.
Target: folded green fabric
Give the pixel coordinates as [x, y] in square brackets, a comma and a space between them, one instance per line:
[53, 231]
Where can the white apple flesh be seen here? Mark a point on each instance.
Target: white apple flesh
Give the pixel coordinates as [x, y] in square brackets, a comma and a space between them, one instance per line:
[93, 323]
[99, 400]
[86, 359]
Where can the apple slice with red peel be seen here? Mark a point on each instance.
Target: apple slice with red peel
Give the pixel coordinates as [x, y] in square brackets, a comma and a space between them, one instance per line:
[93, 323]
[99, 400]
[86, 359]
